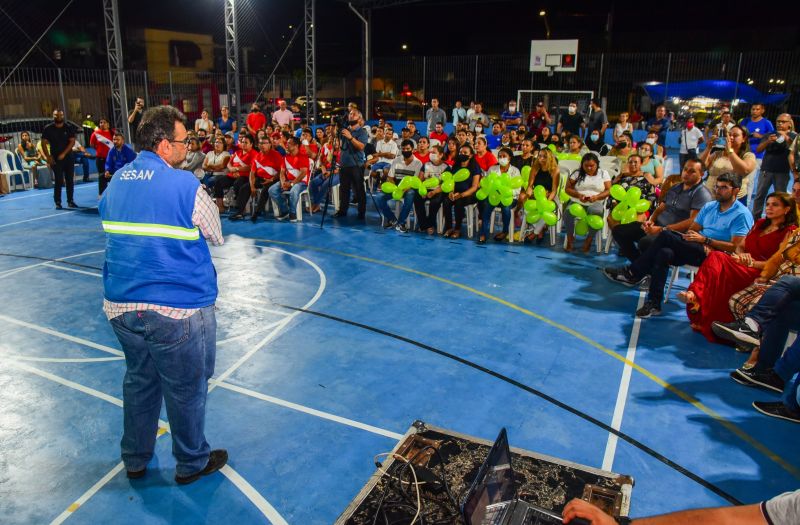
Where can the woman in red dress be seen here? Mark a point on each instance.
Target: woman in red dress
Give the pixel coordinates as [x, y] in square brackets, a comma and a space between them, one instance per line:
[722, 274]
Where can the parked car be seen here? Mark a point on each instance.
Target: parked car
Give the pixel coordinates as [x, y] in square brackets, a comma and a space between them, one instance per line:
[398, 109]
[11, 129]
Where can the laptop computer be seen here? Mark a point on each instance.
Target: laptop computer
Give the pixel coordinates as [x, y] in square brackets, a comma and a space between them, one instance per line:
[492, 497]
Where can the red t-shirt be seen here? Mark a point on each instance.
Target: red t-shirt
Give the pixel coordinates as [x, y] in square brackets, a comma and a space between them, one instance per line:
[206, 146]
[294, 163]
[256, 120]
[486, 161]
[239, 159]
[268, 165]
[313, 147]
[423, 158]
[102, 141]
[441, 137]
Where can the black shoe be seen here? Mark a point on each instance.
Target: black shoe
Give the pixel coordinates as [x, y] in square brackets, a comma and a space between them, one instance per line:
[282, 217]
[216, 460]
[136, 474]
[737, 332]
[339, 215]
[644, 284]
[236, 217]
[759, 378]
[622, 276]
[777, 409]
[72, 204]
[401, 228]
[649, 309]
[292, 217]
[388, 225]
[254, 218]
[59, 206]
[362, 217]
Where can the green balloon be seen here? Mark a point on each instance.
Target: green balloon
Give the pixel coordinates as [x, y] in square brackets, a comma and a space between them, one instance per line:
[642, 206]
[481, 194]
[630, 216]
[532, 218]
[618, 192]
[549, 218]
[448, 185]
[552, 147]
[633, 195]
[516, 182]
[526, 174]
[581, 228]
[530, 207]
[422, 190]
[405, 183]
[619, 211]
[595, 222]
[486, 184]
[388, 187]
[506, 201]
[539, 193]
[461, 175]
[546, 206]
[506, 192]
[415, 183]
[494, 199]
[563, 196]
[446, 175]
[431, 183]
[577, 210]
[397, 194]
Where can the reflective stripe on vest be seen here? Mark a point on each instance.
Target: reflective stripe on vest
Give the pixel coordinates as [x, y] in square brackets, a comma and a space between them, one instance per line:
[151, 230]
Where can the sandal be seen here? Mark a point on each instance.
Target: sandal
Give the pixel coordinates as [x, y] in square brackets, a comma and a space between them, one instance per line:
[502, 236]
[456, 234]
[482, 239]
[587, 244]
[430, 231]
[448, 233]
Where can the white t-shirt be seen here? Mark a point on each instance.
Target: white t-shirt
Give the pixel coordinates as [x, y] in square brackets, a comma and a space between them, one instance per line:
[690, 138]
[591, 185]
[214, 158]
[207, 125]
[432, 170]
[512, 172]
[400, 169]
[619, 128]
[386, 147]
[783, 509]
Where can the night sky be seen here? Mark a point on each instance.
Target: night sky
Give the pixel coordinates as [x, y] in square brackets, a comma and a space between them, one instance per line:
[435, 27]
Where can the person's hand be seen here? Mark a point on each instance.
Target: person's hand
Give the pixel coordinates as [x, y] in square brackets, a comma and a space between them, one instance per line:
[693, 236]
[529, 192]
[286, 185]
[713, 138]
[584, 198]
[346, 134]
[60, 157]
[727, 143]
[107, 174]
[577, 508]
[773, 137]
[744, 259]
[451, 196]
[760, 280]
[253, 191]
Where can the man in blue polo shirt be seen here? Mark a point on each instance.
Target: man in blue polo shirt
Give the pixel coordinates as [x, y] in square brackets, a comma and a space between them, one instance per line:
[159, 292]
[659, 124]
[511, 117]
[757, 128]
[720, 225]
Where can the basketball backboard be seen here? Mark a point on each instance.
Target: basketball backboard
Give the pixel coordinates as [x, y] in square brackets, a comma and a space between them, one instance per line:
[554, 55]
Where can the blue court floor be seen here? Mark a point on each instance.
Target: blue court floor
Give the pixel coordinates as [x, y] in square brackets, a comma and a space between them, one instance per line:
[303, 402]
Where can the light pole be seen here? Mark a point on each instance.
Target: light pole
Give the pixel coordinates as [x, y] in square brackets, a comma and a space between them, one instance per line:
[543, 14]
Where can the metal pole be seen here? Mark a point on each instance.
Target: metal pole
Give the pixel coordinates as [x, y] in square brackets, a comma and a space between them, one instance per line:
[171, 94]
[61, 90]
[424, 92]
[366, 59]
[311, 67]
[232, 59]
[146, 91]
[666, 83]
[738, 73]
[475, 91]
[600, 76]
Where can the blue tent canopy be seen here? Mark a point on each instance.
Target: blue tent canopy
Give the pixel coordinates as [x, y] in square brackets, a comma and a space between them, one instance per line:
[719, 89]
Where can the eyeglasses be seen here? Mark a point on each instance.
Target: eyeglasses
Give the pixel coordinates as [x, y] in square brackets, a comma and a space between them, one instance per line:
[721, 188]
[784, 121]
[185, 141]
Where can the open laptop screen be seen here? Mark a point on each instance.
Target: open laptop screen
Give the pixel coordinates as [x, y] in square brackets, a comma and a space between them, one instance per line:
[493, 484]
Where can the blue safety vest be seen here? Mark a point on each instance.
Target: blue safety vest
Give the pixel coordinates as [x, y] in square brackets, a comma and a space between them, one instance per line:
[154, 254]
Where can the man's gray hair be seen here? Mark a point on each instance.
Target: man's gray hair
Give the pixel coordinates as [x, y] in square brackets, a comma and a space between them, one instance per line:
[157, 124]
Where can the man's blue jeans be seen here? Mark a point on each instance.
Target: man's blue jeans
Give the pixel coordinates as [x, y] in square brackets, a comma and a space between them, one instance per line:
[276, 194]
[173, 359]
[320, 185]
[408, 203]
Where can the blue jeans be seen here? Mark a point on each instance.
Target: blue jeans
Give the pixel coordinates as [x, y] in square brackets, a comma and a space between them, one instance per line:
[81, 159]
[319, 187]
[171, 359]
[276, 194]
[487, 214]
[408, 203]
[379, 166]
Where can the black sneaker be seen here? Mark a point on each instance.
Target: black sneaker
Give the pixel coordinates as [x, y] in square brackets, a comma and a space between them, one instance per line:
[59, 206]
[737, 332]
[649, 309]
[282, 217]
[759, 378]
[644, 284]
[236, 217]
[136, 474]
[777, 409]
[388, 225]
[72, 204]
[216, 460]
[339, 214]
[292, 217]
[622, 276]
[401, 228]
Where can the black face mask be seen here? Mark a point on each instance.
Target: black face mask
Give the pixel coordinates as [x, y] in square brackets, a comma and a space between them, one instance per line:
[461, 159]
[407, 154]
[352, 122]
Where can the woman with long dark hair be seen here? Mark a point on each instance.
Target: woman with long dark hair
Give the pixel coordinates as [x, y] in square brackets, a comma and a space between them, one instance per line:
[464, 192]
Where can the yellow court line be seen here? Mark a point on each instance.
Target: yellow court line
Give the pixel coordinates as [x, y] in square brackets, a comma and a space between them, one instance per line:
[732, 427]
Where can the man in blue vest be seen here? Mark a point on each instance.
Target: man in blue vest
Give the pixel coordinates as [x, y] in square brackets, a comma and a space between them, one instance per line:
[160, 288]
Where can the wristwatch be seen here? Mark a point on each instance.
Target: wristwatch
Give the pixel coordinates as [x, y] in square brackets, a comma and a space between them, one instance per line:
[624, 520]
[707, 242]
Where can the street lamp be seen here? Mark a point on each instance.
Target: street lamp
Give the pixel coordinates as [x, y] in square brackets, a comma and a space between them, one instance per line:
[404, 47]
[543, 14]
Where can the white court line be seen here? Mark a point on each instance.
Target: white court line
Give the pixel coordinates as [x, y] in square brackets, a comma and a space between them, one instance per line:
[47, 193]
[75, 270]
[71, 384]
[307, 410]
[64, 359]
[242, 360]
[35, 218]
[622, 394]
[88, 494]
[238, 300]
[251, 334]
[62, 335]
[254, 496]
[12, 271]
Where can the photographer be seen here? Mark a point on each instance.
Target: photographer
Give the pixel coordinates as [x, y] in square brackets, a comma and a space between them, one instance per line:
[353, 139]
[135, 117]
[775, 163]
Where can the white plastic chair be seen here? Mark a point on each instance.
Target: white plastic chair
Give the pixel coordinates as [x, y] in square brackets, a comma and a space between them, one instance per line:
[10, 171]
[611, 165]
[675, 270]
[492, 217]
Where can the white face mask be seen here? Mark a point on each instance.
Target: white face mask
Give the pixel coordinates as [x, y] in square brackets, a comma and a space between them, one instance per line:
[650, 141]
[503, 161]
[572, 110]
[478, 129]
[434, 157]
[780, 139]
[305, 142]
[512, 108]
